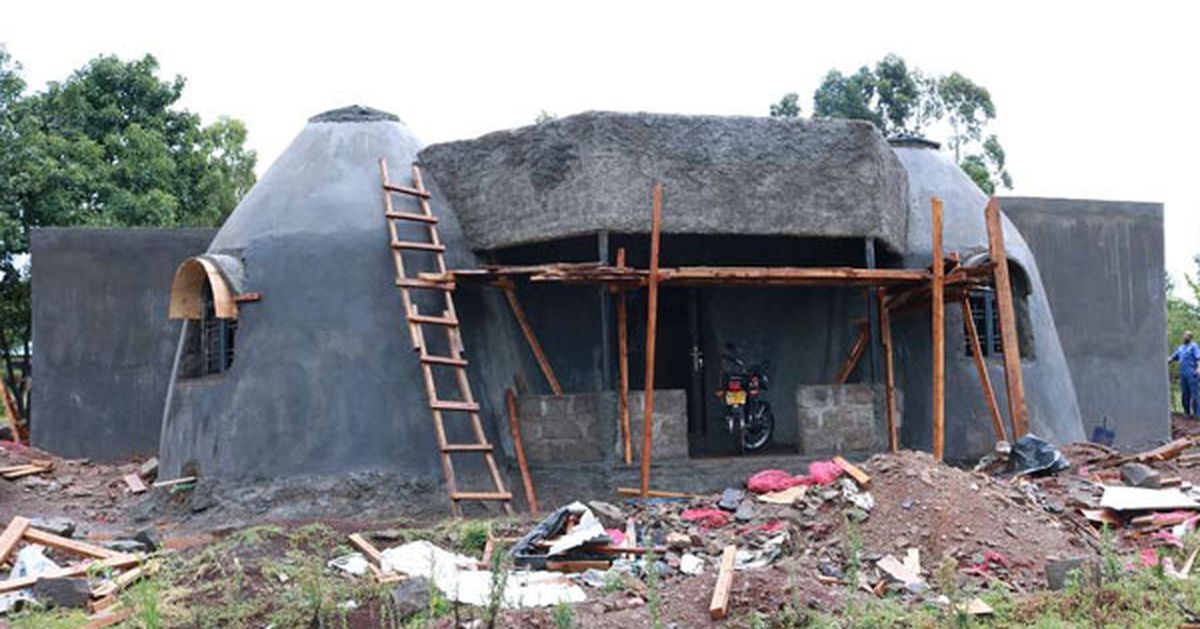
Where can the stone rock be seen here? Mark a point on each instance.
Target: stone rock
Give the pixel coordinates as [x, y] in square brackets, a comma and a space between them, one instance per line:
[731, 499]
[691, 565]
[61, 526]
[62, 592]
[678, 540]
[1139, 475]
[1058, 571]
[410, 597]
[149, 539]
[746, 511]
[149, 469]
[125, 546]
[609, 514]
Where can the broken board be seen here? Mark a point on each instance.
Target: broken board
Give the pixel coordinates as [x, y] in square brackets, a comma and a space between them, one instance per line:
[1120, 498]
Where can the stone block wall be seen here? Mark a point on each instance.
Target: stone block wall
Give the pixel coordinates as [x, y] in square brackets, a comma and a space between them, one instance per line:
[576, 427]
[561, 428]
[669, 425]
[841, 419]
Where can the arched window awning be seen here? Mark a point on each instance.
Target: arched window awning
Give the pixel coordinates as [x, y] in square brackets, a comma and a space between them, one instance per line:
[187, 291]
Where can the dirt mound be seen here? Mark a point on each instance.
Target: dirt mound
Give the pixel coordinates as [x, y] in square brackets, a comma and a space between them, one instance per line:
[981, 521]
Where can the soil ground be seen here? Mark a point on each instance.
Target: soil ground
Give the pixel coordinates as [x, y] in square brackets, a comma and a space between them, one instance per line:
[977, 534]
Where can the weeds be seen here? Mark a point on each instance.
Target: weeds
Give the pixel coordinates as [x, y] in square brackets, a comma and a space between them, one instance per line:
[563, 616]
[473, 536]
[653, 596]
[613, 582]
[500, 573]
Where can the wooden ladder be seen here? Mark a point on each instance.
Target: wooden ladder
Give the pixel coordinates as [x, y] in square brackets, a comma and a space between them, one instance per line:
[448, 321]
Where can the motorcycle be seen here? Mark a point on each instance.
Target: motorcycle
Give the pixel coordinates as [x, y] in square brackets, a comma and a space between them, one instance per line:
[747, 416]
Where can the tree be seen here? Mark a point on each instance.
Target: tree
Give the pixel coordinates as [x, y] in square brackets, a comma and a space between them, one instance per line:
[105, 147]
[1182, 315]
[787, 107]
[900, 100]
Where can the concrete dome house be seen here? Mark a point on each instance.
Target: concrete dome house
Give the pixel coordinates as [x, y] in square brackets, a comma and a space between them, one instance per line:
[295, 359]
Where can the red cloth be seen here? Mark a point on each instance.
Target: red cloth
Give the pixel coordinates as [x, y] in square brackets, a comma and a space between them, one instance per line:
[767, 481]
[617, 536]
[708, 518]
[819, 473]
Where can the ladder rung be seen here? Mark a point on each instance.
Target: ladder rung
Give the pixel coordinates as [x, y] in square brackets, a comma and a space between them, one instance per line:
[443, 360]
[481, 495]
[450, 405]
[405, 282]
[418, 246]
[467, 447]
[406, 190]
[433, 320]
[410, 216]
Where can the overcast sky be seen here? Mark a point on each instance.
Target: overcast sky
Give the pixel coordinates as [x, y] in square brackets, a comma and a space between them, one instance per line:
[1094, 99]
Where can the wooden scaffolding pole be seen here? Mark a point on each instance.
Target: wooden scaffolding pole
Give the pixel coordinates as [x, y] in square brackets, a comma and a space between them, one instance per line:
[1013, 378]
[889, 372]
[938, 346]
[856, 352]
[514, 424]
[510, 293]
[651, 330]
[623, 366]
[989, 394]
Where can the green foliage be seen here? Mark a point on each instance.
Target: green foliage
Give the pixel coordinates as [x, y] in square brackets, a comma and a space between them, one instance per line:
[104, 147]
[653, 595]
[787, 107]
[472, 536]
[501, 568]
[900, 100]
[563, 616]
[613, 582]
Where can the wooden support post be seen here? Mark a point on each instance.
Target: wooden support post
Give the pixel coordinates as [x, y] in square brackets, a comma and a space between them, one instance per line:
[19, 430]
[514, 424]
[889, 370]
[856, 352]
[718, 608]
[510, 293]
[651, 330]
[623, 366]
[938, 346]
[1013, 379]
[989, 395]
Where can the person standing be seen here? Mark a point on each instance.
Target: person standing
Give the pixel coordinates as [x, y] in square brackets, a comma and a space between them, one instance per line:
[1188, 357]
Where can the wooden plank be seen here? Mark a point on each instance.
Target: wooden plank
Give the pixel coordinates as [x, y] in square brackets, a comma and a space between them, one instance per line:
[124, 580]
[120, 561]
[175, 481]
[510, 294]
[889, 372]
[989, 394]
[862, 478]
[510, 399]
[12, 535]
[578, 565]
[852, 358]
[28, 470]
[62, 543]
[1013, 378]
[20, 434]
[134, 483]
[367, 549]
[108, 618]
[938, 345]
[718, 608]
[651, 332]
[623, 367]
[247, 298]
[632, 492]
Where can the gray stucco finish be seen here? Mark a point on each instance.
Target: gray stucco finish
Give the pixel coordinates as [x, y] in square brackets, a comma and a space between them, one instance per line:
[103, 345]
[325, 380]
[1050, 394]
[1102, 264]
[726, 175]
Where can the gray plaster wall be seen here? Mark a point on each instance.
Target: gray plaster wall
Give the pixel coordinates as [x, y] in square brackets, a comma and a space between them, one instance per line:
[102, 344]
[727, 175]
[325, 381]
[1050, 393]
[1102, 265]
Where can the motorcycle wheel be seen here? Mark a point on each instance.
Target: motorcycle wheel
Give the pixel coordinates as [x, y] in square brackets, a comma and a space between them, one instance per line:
[760, 424]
